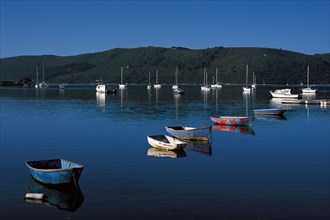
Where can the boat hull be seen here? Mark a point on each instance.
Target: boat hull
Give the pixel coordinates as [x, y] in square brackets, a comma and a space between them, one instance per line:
[216, 86]
[269, 111]
[232, 120]
[283, 94]
[57, 171]
[165, 142]
[188, 133]
[309, 91]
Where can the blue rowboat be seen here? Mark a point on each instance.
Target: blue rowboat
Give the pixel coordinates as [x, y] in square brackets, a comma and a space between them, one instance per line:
[272, 111]
[189, 133]
[56, 171]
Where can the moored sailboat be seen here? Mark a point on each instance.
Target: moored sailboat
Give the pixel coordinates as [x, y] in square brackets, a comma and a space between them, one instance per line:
[246, 88]
[205, 87]
[157, 85]
[308, 90]
[216, 85]
[121, 85]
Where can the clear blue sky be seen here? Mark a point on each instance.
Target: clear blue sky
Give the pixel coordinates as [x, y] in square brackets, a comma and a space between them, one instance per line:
[75, 27]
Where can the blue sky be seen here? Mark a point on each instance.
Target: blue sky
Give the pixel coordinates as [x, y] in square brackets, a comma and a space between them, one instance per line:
[74, 27]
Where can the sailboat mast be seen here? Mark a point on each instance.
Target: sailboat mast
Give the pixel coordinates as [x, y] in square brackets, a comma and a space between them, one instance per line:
[157, 76]
[307, 76]
[121, 75]
[247, 73]
[149, 78]
[43, 72]
[37, 73]
[176, 75]
[216, 75]
[204, 76]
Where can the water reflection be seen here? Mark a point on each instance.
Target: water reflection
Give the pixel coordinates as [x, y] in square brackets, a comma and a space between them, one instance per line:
[235, 129]
[155, 152]
[122, 92]
[246, 98]
[177, 101]
[215, 96]
[205, 94]
[309, 97]
[61, 93]
[270, 117]
[100, 101]
[203, 147]
[156, 94]
[64, 197]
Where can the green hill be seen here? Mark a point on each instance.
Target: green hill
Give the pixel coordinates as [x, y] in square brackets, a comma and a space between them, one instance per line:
[269, 65]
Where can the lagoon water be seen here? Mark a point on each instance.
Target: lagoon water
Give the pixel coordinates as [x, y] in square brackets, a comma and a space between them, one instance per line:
[279, 169]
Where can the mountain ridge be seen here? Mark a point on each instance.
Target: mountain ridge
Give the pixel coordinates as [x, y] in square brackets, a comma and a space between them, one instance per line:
[270, 65]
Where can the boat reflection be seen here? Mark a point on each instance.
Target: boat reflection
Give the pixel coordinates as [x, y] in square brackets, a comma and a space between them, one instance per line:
[234, 129]
[308, 96]
[270, 117]
[100, 101]
[155, 152]
[64, 197]
[203, 147]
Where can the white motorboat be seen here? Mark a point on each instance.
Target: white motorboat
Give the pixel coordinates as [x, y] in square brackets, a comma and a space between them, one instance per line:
[283, 93]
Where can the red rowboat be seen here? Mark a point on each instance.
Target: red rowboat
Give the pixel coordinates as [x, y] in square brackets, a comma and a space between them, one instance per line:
[233, 120]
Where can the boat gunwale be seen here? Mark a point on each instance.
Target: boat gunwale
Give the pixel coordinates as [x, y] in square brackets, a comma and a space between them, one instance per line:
[80, 166]
[190, 128]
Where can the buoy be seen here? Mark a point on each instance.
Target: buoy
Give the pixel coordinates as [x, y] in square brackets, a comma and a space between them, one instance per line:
[37, 196]
[323, 103]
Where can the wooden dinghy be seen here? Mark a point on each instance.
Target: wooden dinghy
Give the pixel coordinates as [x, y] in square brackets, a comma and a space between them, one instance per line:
[165, 142]
[190, 133]
[56, 171]
[233, 120]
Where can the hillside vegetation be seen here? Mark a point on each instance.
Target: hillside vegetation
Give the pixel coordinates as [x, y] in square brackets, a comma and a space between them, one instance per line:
[269, 65]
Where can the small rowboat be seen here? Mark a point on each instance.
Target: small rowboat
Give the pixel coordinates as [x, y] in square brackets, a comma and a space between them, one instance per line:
[273, 111]
[56, 171]
[189, 133]
[165, 142]
[233, 120]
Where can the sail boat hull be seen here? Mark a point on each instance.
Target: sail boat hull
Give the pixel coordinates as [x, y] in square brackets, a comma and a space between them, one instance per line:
[205, 87]
[216, 86]
[309, 90]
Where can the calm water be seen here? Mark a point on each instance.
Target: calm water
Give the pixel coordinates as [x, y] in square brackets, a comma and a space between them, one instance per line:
[277, 170]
